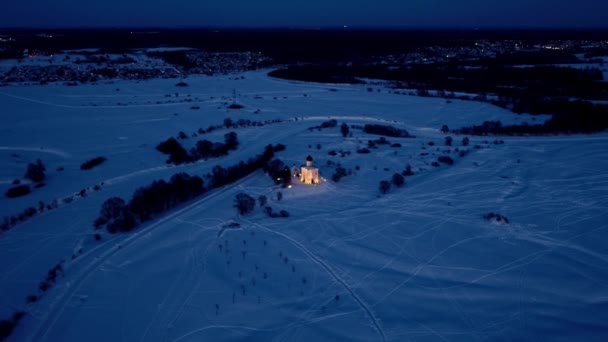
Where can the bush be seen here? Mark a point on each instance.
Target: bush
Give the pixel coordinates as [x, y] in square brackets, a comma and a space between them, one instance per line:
[446, 160]
[408, 170]
[384, 186]
[177, 154]
[448, 141]
[344, 130]
[244, 203]
[231, 140]
[363, 151]
[465, 141]
[398, 180]
[35, 171]
[18, 191]
[445, 129]
[6, 329]
[262, 200]
[329, 124]
[338, 174]
[91, 163]
[389, 131]
[125, 222]
[496, 217]
[111, 208]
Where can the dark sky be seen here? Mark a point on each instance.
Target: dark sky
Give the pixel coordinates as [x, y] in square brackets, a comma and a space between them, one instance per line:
[309, 13]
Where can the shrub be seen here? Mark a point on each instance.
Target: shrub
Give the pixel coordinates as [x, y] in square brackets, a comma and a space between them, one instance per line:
[125, 222]
[384, 186]
[18, 191]
[408, 170]
[448, 141]
[231, 140]
[6, 329]
[344, 129]
[91, 163]
[338, 174]
[177, 154]
[445, 129]
[496, 217]
[117, 217]
[446, 160]
[111, 208]
[279, 172]
[228, 122]
[244, 203]
[363, 150]
[329, 124]
[465, 141]
[35, 171]
[262, 199]
[398, 180]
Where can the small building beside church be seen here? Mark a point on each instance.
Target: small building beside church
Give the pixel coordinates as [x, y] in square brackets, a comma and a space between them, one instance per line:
[308, 173]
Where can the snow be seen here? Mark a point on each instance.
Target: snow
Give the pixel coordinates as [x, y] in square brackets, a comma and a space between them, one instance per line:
[419, 263]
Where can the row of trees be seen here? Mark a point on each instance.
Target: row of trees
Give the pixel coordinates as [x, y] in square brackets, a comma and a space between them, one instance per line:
[593, 120]
[91, 163]
[116, 215]
[386, 130]
[203, 149]
[385, 186]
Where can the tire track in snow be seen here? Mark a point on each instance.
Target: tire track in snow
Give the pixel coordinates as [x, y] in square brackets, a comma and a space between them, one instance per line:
[334, 275]
[48, 322]
[36, 149]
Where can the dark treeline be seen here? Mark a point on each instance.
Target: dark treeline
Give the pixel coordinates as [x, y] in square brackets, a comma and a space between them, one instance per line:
[296, 45]
[117, 215]
[586, 121]
[508, 82]
[203, 149]
[534, 90]
[91, 163]
[386, 130]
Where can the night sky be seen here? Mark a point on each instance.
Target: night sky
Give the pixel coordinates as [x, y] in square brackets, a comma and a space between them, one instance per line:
[306, 13]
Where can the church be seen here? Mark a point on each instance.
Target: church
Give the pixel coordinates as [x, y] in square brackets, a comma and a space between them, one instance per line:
[308, 173]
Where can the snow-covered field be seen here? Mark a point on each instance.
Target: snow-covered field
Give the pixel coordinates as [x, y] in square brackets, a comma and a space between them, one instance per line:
[417, 264]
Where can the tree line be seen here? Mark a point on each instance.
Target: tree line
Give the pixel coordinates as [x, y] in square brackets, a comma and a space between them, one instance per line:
[147, 202]
[202, 150]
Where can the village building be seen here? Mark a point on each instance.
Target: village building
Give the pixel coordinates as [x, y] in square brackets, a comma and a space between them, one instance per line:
[308, 173]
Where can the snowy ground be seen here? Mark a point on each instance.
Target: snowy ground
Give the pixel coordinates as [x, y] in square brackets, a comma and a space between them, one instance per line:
[417, 264]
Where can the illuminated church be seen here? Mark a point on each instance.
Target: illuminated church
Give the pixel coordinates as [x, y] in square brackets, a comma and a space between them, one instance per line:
[309, 174]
